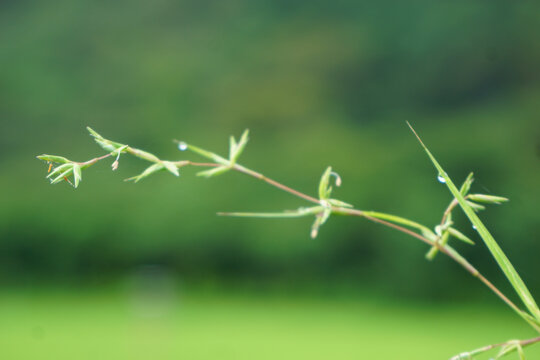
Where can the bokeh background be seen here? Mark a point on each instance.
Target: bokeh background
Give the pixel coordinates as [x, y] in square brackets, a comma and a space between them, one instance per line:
[117, 270]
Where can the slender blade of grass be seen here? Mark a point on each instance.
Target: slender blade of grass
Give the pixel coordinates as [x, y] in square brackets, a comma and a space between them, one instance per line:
[285, 214]
[501, 258]
[399, 220]
[467, 185]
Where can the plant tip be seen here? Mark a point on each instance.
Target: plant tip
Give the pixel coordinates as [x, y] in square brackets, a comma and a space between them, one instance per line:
[338, 178]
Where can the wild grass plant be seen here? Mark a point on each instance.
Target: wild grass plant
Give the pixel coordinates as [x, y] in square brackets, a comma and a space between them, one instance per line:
[323, 206]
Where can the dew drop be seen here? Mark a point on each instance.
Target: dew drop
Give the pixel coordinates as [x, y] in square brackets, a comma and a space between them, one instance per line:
[474, 227]
[441, 179]
[182, 146]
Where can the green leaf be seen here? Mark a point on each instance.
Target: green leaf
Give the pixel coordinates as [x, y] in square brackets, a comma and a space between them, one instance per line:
[501, 258]
[172, 168]
[399, 220]
[232, 147]
[321, 216]
[458, 235]
[106, 144]
[208, 155]
[284, 214]
[94, 133]
[58, 170]
[320, 219]
[63, 175]
[521, 354]
[339, 203]
[54, 158]
[324, 189]
[488, 199]
[147, 172]
[464, 190]
[239, 148]
[141, 154]
[213, 172]
[77, 176]
[510, 348]
[476, 207]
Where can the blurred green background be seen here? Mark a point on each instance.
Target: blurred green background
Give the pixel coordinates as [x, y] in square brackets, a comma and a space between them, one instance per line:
[120, 270]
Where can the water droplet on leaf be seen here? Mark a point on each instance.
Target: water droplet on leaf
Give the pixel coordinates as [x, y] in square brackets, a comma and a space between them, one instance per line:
[182, 146]
[441, 179]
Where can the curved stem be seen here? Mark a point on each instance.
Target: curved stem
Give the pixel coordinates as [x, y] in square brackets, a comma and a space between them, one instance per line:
[448, 210]
[376, 217]
[86, 164]
[483, 349]
[368, 215]
[276, 184]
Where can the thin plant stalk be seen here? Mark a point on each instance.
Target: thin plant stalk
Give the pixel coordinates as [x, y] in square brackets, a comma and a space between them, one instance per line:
[325, 206]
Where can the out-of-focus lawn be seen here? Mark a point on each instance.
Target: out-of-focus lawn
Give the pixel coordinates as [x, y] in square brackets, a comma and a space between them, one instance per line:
[131, 325]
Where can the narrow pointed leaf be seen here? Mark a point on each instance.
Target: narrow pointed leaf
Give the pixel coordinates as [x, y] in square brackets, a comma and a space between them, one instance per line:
[208, 155]
[147, 172]
[476, 207]
[508, 349]
[213, 172]
[77, 176]
[106, 144]
[232, 147]
[464, 190]
[520, 352]
[54, 158]
[487, 199]
[340, 203]
[172, 168]
[398, 220]
[63, 175]
[501, 258]
[458, 235]
[94, 133]
[324, 189]
[58, 170]
[284, 214]
[320, 219]
[239, 148]
[244, 138]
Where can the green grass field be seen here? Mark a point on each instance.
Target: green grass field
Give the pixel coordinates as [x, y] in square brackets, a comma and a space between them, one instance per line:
[133, 325]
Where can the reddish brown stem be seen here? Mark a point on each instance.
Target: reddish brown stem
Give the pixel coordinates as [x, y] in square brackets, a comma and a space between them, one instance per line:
[465, 264]
[354, 212]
